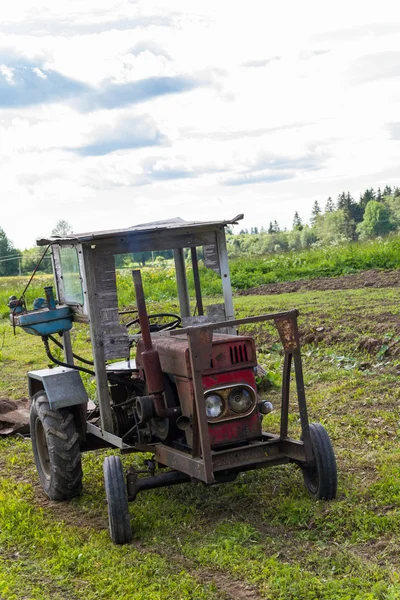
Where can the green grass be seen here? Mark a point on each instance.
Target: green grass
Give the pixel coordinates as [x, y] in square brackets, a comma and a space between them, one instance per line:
[159, 282]
[328, 261]
[262, 533]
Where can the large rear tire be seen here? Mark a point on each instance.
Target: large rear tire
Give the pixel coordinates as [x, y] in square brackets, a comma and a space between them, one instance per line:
[321, 479]
[117, 500]
[55, 444]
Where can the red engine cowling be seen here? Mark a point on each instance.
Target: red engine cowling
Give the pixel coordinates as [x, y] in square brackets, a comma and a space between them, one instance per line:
[231, 368]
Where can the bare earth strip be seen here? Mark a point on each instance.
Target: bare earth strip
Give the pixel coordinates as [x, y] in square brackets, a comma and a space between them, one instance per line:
[373, 278]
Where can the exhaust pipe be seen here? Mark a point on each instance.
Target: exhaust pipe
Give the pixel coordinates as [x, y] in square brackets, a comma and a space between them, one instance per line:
[150, 357]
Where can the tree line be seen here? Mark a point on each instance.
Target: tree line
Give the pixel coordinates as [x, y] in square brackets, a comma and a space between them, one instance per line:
[376, 213]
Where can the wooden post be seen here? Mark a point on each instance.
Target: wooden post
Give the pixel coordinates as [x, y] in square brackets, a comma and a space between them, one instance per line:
[90, 292]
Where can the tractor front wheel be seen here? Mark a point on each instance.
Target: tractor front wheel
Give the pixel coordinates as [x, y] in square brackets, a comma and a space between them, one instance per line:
[321, 479]
[117, 500]
[56, 450]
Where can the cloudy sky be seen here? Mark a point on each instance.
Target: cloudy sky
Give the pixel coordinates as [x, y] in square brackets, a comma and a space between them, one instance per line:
[120, 112]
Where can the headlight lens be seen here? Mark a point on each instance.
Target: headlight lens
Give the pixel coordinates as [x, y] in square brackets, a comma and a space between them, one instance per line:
[240, 400]
[214, 406]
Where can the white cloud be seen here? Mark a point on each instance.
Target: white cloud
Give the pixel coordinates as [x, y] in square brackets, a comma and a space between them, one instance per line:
[293, 102]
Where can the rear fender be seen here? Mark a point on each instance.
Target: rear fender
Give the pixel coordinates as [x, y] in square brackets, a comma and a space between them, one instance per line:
[63, 386]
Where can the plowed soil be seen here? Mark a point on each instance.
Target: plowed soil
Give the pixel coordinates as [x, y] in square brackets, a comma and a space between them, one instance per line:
[373, 278]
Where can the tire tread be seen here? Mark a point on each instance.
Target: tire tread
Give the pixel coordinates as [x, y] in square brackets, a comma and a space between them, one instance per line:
[63, 446]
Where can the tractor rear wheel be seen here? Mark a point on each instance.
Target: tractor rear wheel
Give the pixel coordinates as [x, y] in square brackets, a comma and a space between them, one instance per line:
[321, 479]
[117, 500]
[55, 444]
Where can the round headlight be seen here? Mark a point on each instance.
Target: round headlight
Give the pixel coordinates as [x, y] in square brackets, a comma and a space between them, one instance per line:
[240, 400]
[214, 406]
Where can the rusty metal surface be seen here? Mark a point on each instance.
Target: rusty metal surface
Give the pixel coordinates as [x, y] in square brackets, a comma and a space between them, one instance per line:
[181, 461]
[200, 348]
[154, 374]
[287, 363]
[175, 359]
[305, 429]
[290, 314]
[270, 448]
[142, 310]
[288, 333]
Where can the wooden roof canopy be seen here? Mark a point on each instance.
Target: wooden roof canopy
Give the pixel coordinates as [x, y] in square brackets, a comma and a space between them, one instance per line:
[157, 235]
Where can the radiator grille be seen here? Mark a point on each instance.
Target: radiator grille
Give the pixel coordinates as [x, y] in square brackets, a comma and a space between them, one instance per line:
[238, 354]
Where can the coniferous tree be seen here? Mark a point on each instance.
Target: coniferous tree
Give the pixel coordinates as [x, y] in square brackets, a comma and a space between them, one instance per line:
[366, 197]
[378, 196]
[276, 227]
[297, 223]
[329, 206]
[387, 191]
[341, 201]
[315, 211]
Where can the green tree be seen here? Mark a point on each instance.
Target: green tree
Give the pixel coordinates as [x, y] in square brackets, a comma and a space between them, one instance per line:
[387, 191]
[376, 220]
[331, 228]
[329, 206]
[297, 222]
[62, 228]
[9, 256]
[366, 197]
[273, 227]
[315, 211]
[30, 259]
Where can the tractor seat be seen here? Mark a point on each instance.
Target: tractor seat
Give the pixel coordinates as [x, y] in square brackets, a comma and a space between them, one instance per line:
[121, 367]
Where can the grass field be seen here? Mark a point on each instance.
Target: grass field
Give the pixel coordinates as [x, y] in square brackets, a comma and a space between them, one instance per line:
[259, 537]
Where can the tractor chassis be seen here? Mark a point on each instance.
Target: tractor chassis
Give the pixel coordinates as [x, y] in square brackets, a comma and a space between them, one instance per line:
[201, 463]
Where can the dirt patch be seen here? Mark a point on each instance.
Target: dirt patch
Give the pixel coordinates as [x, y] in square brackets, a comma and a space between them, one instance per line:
[373, 278]
[14, 416]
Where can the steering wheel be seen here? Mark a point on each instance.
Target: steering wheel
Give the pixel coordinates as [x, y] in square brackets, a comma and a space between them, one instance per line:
[174, 322]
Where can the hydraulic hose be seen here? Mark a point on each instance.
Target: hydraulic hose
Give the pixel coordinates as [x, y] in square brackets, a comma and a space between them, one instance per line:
[112, 378]
[60, 345]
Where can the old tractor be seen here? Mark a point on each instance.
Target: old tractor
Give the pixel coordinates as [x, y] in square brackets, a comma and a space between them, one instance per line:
[182, 388]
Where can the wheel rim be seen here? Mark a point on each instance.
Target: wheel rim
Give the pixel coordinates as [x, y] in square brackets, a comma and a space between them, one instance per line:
[312, 480]
[42, 449]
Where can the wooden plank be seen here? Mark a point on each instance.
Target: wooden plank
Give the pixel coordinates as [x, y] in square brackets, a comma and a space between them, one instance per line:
[166, 240]
[96, 335]
[115, 336]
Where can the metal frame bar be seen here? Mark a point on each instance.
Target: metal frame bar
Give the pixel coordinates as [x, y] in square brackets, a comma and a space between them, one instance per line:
[196, 277]
[183, 292]
[225, 275]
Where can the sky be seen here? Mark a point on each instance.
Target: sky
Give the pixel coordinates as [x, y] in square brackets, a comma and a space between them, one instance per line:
[127, 111]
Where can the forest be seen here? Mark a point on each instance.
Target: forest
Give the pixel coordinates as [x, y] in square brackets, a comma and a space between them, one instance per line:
[374, 215]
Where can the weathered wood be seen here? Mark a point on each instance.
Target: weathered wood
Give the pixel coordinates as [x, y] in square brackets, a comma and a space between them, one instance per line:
[96, 334]
[114, 335]
[166, 240]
